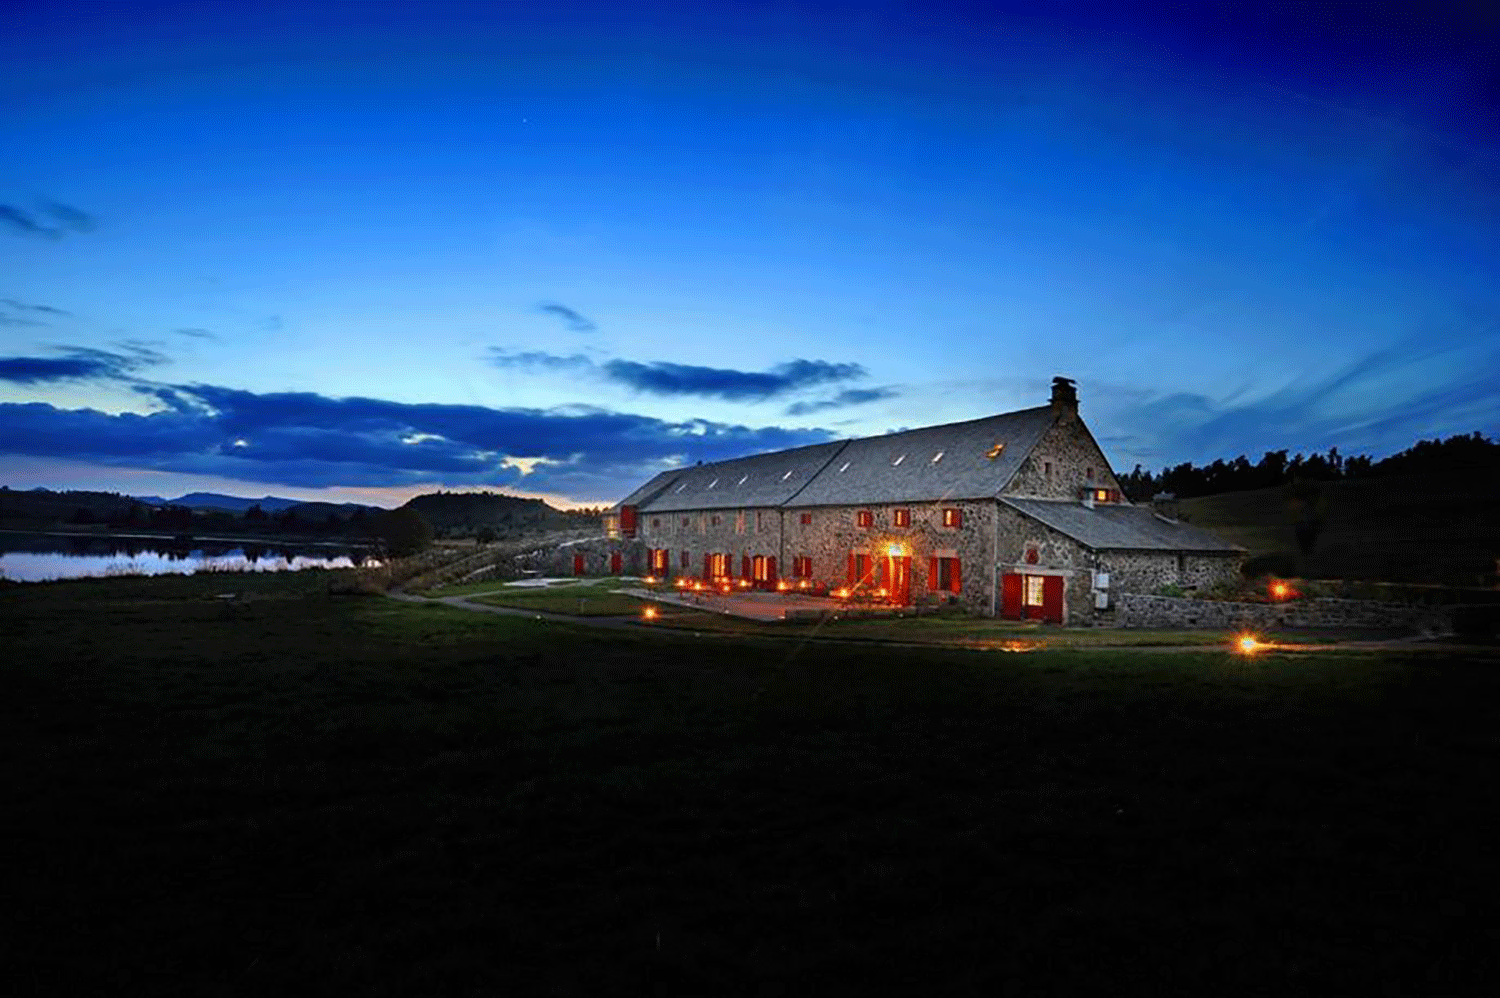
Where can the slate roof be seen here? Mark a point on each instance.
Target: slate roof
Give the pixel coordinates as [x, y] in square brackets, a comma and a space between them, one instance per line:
[759, 480]
[866, 470]
[896, 467]
[1109, 526]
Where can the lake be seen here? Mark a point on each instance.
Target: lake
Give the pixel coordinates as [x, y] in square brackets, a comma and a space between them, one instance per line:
[43, 557]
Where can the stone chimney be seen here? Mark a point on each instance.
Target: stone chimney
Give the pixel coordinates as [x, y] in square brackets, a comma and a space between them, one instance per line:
[1064, 396]
[1164, 504]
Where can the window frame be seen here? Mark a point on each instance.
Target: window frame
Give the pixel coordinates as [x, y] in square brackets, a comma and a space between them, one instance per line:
[953, 518]
[864, 519]
[901, 518]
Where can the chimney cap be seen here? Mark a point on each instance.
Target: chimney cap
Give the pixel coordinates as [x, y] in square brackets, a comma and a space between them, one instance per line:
[1064, 392]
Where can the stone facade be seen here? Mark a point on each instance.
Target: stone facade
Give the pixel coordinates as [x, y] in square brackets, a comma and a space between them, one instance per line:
[1052, 459]
[1065, 461]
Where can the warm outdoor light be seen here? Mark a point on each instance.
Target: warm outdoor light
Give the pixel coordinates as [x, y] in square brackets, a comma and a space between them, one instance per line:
[781, 587]
[1247, 645]
[650, 580]
[1280, 590]
[649, 613]
[895, 550]
[841, 593]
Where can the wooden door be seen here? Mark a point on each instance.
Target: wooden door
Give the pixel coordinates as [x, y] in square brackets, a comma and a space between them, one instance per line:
[900, 579]
[1010, 596]
[1052, 599]
[578, 564]
[614, 563]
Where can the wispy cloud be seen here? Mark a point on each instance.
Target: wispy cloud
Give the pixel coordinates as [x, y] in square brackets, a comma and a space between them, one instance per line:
[196, 333]
[79, 363]
[23, 307]
[270, 323]
[538, 360]
[52, 221]
[570, 318]
[12, 320]
[664, 378]
[844, 399]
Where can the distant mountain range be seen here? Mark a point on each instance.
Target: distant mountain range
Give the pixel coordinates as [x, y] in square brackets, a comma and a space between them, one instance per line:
[238, 504]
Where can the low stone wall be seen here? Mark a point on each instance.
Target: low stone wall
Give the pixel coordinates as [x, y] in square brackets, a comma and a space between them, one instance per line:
[596, 551]
[1173, 611]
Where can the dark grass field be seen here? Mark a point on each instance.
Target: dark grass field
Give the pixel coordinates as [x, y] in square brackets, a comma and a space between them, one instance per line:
[303, 793]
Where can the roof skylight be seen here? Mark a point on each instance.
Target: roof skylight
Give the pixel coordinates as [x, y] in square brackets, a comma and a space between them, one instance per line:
[741, 481]
[787, 475]
[713, 483]
[898, 460]
[937, 457]
[844, 468]
[996, 450]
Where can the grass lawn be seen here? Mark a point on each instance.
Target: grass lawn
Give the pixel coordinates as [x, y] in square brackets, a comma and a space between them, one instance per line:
[300, 792]
[584, 599]
[564, 586]
[971, 632]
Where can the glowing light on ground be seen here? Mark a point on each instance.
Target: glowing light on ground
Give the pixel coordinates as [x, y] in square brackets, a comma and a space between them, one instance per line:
[1246, 644]
[649, 613]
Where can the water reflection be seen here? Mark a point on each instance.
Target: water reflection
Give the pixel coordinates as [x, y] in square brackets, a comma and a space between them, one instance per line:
[42, 557]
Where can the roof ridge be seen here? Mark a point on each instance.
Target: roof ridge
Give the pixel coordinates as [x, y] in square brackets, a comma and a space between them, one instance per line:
[843, 446]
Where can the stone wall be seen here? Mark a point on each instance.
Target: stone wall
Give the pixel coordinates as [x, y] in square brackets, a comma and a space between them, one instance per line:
[558, 560]
[1056, 554]
[1139, 610]
[1070, 450]
[735, 532]
[1148, 571]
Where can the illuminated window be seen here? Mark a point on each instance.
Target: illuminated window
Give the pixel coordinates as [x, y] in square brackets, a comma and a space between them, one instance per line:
[1033, 590]
[716, 521]
[844, 468]
[786, 476]
[806, 518]
[1101, 495]
[902, 518]
[953, 517]
[716, 481]
[864, 518]
[995, 451]
[718, 566]
[741, 481]
[898, 460]
[937, 457]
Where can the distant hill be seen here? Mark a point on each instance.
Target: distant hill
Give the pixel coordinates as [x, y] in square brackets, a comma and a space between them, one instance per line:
[1426, 529]
[465, 513]
[216, 500]
[46, 505]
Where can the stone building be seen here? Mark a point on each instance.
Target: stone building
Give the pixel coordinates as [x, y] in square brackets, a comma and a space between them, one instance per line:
[1016, 515]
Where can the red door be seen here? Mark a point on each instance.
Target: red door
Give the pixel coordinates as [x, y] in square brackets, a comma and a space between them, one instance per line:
[578, 564]
[900, 577]
[1010, 597]
[771, 568]
[1052, 599]
[614, 563]
[745, 572]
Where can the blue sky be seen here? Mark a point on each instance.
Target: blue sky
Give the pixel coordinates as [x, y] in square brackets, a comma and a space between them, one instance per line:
[286, 249]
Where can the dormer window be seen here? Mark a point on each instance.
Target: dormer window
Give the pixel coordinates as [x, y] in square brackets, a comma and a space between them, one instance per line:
[937, 457]
[741, 481]
[896, 463]
[844, 468]
[996, 450]
[786, 476]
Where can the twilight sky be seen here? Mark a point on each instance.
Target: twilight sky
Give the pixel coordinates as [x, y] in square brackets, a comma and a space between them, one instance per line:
[361, 251]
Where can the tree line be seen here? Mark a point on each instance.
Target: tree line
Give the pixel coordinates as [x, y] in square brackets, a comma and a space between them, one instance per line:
[1464, 453]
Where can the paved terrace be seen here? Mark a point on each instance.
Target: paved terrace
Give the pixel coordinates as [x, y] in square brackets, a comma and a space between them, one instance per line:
[758, 605]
